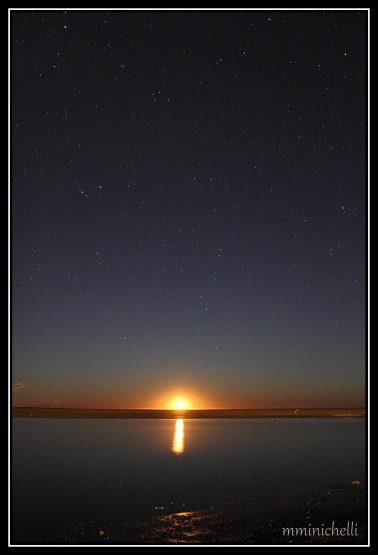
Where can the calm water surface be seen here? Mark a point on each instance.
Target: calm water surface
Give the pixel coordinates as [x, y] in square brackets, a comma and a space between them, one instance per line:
[67, 471]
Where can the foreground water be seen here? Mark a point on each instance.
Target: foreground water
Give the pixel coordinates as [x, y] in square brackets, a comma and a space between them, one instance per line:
[69, 472]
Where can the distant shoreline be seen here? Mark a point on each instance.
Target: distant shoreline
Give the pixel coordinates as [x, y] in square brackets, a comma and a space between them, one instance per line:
[37, 412]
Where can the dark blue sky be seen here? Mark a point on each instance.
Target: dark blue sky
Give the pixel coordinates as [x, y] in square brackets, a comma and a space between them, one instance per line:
[188, 195]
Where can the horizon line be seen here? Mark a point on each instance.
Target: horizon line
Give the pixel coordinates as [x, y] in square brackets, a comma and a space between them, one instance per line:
[293, 407]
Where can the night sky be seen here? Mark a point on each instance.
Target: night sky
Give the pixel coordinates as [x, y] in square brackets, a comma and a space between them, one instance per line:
[188, 200]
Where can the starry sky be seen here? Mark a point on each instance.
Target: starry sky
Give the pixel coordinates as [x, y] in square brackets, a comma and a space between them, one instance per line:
[188, 208]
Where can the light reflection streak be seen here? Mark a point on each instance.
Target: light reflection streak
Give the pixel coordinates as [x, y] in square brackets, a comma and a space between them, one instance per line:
[178, 437]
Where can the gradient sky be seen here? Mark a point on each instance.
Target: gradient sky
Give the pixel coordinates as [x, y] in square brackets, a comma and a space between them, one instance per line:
[188, 195]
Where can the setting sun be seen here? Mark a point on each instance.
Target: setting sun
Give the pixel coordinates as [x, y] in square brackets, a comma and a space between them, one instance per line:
[180, 399]
[180, 404]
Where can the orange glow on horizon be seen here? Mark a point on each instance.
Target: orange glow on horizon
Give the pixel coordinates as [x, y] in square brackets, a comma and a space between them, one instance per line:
[164, 392]
[179, 399]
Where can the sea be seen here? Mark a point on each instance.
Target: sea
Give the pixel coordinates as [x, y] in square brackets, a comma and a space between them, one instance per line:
[68, 474]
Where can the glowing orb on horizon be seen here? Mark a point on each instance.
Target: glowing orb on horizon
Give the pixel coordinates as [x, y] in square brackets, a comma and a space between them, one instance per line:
[180, 404]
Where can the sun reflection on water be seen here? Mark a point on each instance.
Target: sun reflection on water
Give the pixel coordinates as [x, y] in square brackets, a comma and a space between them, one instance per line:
[178, 437]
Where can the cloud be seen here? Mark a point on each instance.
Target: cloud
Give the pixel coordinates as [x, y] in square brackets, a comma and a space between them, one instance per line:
[19, 385]
[38, 402]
